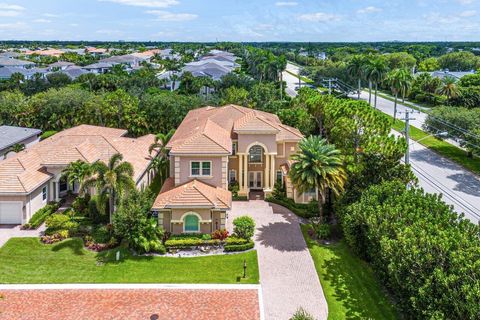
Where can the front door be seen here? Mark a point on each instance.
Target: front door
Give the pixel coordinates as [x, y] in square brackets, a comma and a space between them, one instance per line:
[255, 179]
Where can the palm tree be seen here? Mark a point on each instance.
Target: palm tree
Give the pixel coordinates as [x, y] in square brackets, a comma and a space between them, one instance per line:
[317, 165]
[449, 88]
[394, 80]
[77, 171]
[161, 161]
[376, 71]
[356, 70]
[111, 180]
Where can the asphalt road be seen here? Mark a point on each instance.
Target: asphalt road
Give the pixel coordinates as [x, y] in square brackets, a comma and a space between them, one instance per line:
[436, 174]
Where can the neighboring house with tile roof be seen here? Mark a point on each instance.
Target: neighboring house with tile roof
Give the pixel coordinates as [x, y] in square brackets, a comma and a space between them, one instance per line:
[215, 147]
[32, 178]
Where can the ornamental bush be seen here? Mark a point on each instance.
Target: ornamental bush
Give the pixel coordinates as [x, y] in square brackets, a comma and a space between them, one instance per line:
[239, 247]
[423, 251]
[244, 227]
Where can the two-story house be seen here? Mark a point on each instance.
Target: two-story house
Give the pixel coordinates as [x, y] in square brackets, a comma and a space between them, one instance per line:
[217, 146]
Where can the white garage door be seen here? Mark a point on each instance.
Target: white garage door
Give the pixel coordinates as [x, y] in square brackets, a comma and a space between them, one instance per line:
[10, 212]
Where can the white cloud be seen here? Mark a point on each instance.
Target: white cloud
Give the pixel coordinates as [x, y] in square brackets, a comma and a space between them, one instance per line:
[146, 3]
[42, 20]
[6, 6]
[10, 10]
[468, 13]
[286, 4]
[319, 17]
[73, 24]
[370, 9]
[170, 16]
[465, 2]
[50, 15]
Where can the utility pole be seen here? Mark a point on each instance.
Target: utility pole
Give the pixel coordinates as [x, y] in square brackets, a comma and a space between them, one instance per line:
[407, 133]
[299, 80]
[329, 86]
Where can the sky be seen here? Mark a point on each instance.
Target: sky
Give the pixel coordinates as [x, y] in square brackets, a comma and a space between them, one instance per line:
[241, 20]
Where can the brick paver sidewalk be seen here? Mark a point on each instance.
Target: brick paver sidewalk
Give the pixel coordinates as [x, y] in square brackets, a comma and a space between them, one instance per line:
[287, 273]
[148, 304]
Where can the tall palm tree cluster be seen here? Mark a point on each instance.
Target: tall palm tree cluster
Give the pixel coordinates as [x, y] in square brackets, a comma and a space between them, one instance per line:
[113, 180]
[264, 65]
[110, 180]
[374, 70]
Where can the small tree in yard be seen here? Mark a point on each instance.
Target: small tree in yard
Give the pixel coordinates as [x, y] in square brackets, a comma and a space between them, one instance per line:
[244, 227]
[301, 314]
[132, 223]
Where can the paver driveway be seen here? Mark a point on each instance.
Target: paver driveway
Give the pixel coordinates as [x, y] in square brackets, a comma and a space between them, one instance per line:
[287, 273]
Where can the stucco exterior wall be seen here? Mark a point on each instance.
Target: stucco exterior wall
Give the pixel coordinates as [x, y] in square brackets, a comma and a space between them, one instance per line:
[35, 201]
[245, 140]
[216, 170]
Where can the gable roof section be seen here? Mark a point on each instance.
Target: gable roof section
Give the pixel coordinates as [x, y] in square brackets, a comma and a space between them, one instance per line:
[253, 122]
[193, 194]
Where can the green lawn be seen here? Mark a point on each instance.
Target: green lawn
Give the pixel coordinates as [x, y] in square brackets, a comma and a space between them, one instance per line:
[349, 285]
[27, 260]
[441, 147]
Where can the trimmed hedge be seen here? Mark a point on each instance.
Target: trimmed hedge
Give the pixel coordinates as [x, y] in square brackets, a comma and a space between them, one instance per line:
[239, 247]
[235, 241]
[41, 215]
[300, 209]
[187, 243]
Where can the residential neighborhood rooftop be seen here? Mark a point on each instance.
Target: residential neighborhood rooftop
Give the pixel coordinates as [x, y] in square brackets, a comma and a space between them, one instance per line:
[26, 170]
[10, 135]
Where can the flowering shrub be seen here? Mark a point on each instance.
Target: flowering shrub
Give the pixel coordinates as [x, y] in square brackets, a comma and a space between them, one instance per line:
[55, 237]
[220, 234]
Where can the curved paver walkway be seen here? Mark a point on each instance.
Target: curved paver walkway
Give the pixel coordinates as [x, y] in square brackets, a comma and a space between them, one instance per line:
[287, 273]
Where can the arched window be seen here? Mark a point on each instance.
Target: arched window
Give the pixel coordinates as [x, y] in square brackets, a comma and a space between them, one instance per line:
[191, 223]
[255, 154]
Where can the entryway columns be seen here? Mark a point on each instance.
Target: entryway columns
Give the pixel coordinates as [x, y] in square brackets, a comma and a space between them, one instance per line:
[266, 176]
[272, 171]
[242, 172]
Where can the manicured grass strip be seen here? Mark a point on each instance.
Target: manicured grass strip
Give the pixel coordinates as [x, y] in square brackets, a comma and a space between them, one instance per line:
[27, 260]
[349, 285]
[304, 79]
[441, 147]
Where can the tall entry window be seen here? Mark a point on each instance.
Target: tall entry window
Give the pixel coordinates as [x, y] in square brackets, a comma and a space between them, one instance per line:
[255, 154]
[191, 223]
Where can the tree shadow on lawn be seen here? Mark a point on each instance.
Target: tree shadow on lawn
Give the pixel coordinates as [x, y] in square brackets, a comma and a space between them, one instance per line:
[341, 281]
[74, 244]
[110, 256]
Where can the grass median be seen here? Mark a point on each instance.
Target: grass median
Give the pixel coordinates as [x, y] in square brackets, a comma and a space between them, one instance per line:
[441, 147]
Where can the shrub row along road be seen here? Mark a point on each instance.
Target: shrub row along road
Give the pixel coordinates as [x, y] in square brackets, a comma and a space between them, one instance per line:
[436, 174]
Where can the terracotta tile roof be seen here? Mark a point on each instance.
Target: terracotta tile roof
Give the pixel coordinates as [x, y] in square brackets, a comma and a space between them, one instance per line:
[209, 130]
[193, 194]
[26, 171]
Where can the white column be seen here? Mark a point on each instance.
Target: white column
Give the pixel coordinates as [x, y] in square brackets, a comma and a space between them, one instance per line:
[240, 171]
[266, 176]
[272, 171]
[245, 173]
